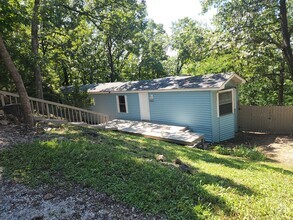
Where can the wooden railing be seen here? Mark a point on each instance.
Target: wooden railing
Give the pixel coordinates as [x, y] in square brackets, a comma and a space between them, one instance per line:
[53, 110]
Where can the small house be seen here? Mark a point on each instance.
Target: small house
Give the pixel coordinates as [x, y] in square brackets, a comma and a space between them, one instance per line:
[205, 104]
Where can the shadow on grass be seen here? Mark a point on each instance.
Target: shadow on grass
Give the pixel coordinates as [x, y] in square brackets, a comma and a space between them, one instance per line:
[160, 147]
[124, 166]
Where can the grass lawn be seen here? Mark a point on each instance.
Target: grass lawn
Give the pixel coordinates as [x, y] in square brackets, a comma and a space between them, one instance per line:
[125, 166]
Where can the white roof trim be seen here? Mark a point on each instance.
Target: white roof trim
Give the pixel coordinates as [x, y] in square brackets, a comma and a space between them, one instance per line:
[158, 90]
[231, 77]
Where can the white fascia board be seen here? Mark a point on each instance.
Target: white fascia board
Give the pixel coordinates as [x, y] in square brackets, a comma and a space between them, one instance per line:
[153, 91]
[231, 77]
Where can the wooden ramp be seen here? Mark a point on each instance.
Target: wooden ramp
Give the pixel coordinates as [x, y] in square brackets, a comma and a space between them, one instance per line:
[176, 134]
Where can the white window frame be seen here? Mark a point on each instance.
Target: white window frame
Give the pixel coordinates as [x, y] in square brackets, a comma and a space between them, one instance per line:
[118, 104]
[233, 90]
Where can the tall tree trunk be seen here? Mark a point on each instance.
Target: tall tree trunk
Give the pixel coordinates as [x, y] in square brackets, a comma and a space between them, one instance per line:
[281, 84]
[111, 62]
[179, 67]
[65, 75]
[35, 50]
[286, 36]
[24, 100]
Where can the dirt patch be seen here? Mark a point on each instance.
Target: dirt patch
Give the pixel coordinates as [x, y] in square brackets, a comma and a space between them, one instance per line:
[278, 148]
[21, 202]
[15, 134]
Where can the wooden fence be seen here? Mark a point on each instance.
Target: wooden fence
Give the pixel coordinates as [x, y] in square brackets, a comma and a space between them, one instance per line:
[271, 119]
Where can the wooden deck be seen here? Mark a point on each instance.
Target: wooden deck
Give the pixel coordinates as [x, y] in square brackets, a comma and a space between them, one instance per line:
[176, 134]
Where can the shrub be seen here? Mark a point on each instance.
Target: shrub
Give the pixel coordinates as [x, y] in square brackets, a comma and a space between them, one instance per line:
[241, 151]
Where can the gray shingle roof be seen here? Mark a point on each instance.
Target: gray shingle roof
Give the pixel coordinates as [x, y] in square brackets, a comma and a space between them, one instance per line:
[210, 81]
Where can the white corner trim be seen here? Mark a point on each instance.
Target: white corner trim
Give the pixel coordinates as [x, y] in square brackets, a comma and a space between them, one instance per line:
[117, 103]
[218, 107]
[126, 104]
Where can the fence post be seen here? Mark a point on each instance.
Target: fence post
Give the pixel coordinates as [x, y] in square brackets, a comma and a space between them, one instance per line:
[48, 111]
[2, 100]
[80, 118]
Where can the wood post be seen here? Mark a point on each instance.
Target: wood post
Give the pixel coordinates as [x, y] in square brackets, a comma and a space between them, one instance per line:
[48, 111]
[2, 100]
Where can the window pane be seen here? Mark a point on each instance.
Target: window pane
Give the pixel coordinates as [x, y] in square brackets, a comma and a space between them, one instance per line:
[121, 99]
[122, 108]
[225, 103]
[225, 109]
[225, 98]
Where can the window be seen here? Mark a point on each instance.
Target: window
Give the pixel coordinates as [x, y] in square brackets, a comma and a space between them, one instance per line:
[225, 102]
[122, 103]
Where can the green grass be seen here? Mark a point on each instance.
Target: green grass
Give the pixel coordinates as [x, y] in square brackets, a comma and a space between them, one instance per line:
[220, 187]
[241, 151]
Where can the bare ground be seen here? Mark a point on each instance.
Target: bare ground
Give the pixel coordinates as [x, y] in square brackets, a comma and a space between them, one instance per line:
[278, 148]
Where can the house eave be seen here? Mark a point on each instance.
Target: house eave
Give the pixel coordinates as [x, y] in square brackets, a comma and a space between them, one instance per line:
[234, 76]
[159, 90]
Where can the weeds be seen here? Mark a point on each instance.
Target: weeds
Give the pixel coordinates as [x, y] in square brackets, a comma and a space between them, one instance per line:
[241, 151]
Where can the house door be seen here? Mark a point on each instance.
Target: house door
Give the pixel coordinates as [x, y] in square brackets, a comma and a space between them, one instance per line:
[144, 106]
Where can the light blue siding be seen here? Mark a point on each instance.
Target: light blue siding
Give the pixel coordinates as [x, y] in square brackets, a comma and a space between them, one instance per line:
[196, 110]
[106, 103]
[227, 127]
[215, 119]
[192, 109]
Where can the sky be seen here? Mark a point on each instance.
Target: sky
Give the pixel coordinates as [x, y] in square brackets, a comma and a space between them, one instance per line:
[167, 11]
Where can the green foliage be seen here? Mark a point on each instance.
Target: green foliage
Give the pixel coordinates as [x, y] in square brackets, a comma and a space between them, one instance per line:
[124, 166]
[77, 98]
[85, 42]
[250, 32]
[241, 151]
[188, 40]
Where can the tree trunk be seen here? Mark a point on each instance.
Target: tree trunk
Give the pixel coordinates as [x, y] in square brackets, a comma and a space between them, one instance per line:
[111, 63]
[35, 50]
[65, 75]
[179, 67]
[286, 36]
[281, 85]
[24, 100]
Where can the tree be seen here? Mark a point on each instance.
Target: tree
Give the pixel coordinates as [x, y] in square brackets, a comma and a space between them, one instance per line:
[151, 52]
[188, 41]
[257, 23]
[35, 49]
[24, 100]
[258, 34]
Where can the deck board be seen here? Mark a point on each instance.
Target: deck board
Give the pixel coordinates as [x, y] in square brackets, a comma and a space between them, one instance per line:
[171, 133]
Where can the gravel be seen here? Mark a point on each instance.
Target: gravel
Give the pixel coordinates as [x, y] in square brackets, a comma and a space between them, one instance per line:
[18, 201]
[16, 134]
